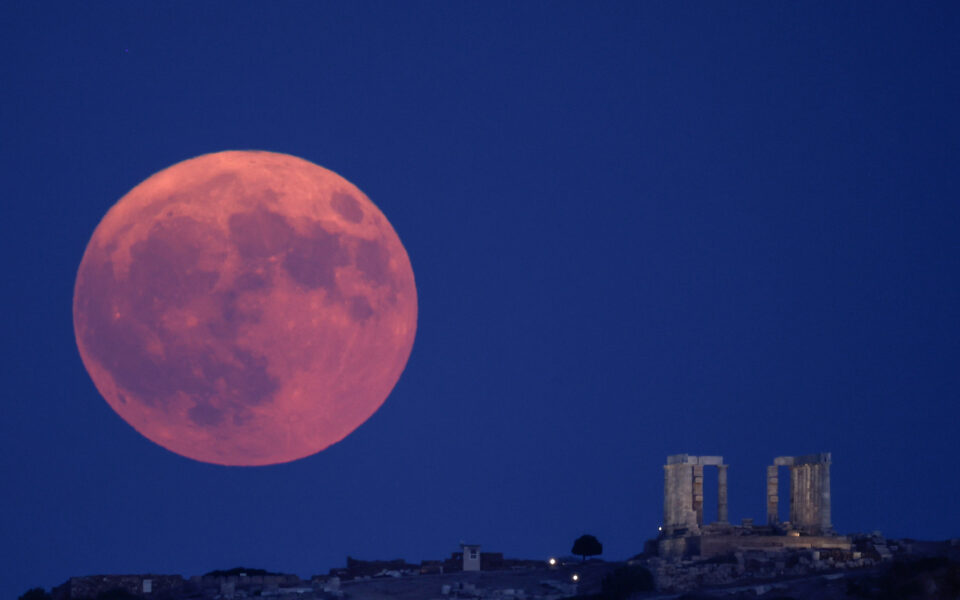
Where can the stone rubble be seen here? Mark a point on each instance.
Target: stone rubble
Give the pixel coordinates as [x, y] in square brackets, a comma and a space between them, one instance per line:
[685, 575]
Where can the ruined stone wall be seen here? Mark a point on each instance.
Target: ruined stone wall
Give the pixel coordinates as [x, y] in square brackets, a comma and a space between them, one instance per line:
[679, 547]
[229, 584]
[719, 545]
[709, 546]
[751, 565]
[91, 586]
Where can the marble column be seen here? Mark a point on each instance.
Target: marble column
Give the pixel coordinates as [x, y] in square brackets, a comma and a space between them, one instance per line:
[722, 516]
[826, 525]
[806, 499]
[794, 503]
[698, 493]
[678, 510]
[773, 498]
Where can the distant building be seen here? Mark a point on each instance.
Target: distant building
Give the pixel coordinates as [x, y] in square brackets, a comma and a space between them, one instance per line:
[471, 557]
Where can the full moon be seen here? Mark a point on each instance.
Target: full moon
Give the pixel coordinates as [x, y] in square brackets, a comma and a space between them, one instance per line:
[245, 308]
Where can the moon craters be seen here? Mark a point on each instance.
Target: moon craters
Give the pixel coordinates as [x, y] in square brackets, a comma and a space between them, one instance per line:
[259, 234]
[347, 207]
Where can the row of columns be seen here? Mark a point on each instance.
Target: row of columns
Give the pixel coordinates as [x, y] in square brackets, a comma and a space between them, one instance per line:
[683, 492]
[809, 492]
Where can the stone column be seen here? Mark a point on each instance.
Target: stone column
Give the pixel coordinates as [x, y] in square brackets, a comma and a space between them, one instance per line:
[722, 516]
[698, 492]
[798, 497]
[826, 525]
[678, 510]
[815, 497]
[806, 498]
[773, 498]
[794, 504]
[668, 507]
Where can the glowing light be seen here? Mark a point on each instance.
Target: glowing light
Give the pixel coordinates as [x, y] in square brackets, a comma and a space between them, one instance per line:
[660, 528]
[552, 562]
[575, 577]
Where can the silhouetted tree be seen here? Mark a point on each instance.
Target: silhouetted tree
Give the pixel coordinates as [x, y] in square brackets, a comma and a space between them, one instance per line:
[586, 545]
[35, 594]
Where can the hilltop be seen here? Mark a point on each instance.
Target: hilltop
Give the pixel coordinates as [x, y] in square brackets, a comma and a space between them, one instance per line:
[874, 569]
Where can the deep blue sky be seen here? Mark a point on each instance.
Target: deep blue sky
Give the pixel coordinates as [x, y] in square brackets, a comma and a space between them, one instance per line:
[637, 229]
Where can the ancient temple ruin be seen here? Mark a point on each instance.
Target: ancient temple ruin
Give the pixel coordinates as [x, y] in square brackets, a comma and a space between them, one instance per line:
[683, 492]
[809, 492]
[684, 532]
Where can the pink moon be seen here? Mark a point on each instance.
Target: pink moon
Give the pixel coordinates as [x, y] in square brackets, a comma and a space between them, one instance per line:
[245, 308]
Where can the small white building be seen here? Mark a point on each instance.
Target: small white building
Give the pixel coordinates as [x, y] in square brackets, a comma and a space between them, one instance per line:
[471, 557]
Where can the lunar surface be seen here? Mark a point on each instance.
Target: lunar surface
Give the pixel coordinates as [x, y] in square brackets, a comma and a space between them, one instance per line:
[245, 308]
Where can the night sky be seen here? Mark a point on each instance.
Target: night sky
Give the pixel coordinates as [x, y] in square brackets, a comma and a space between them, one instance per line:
[637, 229]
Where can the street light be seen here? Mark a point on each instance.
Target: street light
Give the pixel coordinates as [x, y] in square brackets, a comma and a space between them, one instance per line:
[575, 577]
[552, 562]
